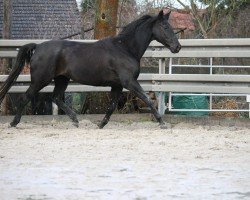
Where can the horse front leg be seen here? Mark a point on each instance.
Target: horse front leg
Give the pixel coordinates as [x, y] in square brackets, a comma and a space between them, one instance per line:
[115, 95]
[135, 87]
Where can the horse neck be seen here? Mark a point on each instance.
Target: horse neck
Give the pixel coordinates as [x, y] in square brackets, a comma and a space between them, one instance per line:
[138, 42]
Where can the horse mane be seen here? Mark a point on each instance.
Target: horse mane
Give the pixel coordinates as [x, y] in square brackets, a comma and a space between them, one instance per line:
[132, 27]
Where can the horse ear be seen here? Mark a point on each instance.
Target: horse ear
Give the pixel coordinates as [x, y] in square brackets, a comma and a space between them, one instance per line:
[165, 13]
[160, 15]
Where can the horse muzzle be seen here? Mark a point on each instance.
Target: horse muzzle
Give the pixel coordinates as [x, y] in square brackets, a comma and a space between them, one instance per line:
[175, 49]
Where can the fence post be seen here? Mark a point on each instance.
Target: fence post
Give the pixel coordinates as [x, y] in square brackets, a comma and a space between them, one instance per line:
[248, 100]
[161, 95]
[170, 65]
[211, 73]
[170, 93]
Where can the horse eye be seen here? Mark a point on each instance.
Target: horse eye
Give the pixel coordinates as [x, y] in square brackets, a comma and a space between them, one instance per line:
[165, 26]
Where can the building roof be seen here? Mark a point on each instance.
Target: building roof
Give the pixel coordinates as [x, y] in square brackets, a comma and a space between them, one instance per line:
[182, 20]
[43, 19]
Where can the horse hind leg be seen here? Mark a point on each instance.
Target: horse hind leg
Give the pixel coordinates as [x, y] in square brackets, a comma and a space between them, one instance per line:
[23, 101]
[61, 83]
[115, 95]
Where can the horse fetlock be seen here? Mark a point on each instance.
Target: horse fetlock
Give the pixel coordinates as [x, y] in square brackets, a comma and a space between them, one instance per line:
[56, 100]
[76, 124]
[75, 120]
[102, 124]
[13, 123]
[160, 120]
[165, 125]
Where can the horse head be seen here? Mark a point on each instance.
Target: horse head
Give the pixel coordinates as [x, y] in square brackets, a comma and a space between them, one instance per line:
[163, 32]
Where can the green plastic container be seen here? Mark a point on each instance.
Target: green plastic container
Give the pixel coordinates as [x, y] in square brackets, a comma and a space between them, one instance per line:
[191, 102]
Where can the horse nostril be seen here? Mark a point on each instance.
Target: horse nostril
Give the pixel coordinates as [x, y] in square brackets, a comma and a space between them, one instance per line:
[175, 48]
[178, 48]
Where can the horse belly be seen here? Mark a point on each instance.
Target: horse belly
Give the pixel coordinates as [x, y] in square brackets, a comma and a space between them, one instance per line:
[92, 66]
[95, 76]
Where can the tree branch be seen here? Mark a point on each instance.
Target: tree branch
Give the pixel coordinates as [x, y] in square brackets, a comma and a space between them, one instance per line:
[195, 14]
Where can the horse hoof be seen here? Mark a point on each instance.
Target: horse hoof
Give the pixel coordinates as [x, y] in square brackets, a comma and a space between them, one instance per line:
[165, 126]
[100, 125]
[12, 124]
[76, 124]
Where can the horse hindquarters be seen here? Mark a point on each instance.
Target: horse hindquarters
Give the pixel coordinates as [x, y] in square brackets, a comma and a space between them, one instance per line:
[42, 69]
[23, 56]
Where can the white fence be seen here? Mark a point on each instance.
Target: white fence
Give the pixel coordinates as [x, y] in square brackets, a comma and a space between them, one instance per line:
[166, 82]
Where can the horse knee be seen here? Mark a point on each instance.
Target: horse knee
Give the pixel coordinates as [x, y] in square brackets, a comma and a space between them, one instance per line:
[150, 102]
[56, 99]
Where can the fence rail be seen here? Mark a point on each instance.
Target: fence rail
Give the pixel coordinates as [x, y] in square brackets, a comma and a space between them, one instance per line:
[186, 84]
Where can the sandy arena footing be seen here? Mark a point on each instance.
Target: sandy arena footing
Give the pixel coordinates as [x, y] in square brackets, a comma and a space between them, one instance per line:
[45, 157]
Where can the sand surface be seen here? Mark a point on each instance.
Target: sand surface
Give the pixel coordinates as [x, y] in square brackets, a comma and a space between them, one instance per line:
[125, 160]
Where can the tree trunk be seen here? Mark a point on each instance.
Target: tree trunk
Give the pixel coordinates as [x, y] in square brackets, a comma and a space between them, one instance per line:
[7, 13]
[106, 18]
[105, 26]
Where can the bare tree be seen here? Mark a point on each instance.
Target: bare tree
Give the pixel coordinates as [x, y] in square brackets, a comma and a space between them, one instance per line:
[214, 13]
[152, 6]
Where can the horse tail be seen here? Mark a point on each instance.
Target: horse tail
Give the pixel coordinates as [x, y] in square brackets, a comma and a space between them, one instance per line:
[24, 55]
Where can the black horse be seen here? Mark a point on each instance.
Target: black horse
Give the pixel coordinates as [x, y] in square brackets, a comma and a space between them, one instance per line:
[114, 61]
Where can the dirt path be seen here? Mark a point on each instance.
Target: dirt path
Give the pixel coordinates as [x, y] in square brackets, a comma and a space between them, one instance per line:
[54, 160]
